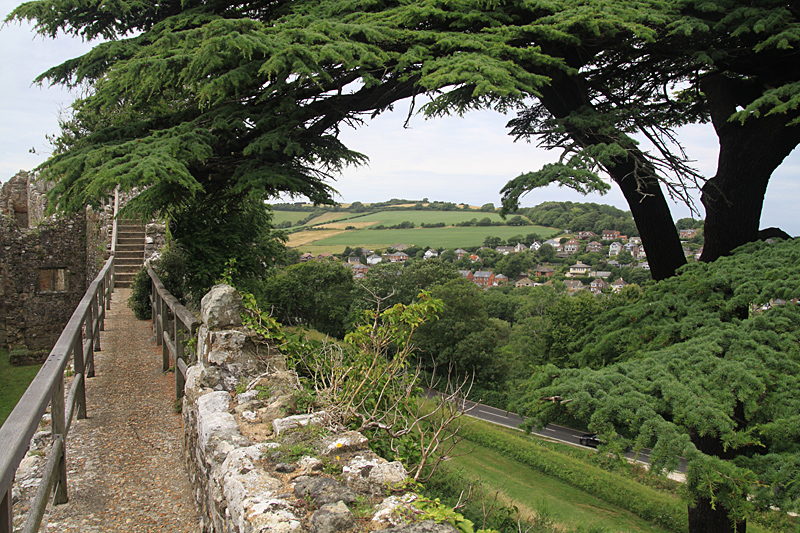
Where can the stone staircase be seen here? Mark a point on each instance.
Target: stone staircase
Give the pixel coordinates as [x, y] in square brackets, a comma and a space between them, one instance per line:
[130, 251]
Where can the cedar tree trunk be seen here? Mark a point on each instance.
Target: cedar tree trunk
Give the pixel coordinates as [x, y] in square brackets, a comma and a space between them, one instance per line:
[635, 176]
[749, 153]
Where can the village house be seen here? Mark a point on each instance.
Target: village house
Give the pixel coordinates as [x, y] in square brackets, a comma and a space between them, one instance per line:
[572, 247]
[353, 260]
[461, 253]
[545, 271]
[358, 268]
[688, 233]
[430, 253]
[308, 256]
[399, 247]
[635, 240]
[520, 247]
[536, 245]
[594, 246]
[374, 259]
[484, 278]
[466, 274]
[327, 256]
[578, 270]
[614, 248]
[474, 258]
[574, 285]
[605, 274]
[525, 282]
[618, 285]
[555, 244]
[598, 286]
[505, 250]
[610, 235]
[500, 279]
[397, 257]
[585, 235]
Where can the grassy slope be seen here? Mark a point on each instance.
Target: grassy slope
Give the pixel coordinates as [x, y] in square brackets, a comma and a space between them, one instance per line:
[536, 494]
[14, 379]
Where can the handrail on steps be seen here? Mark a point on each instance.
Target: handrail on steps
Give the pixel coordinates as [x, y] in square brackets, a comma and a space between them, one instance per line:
[174, 326]
[78, 341]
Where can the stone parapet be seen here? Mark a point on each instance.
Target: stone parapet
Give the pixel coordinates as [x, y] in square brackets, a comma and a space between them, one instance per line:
[256, 465]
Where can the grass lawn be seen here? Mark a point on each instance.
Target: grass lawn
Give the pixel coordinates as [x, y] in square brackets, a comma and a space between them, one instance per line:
[15, 380]
[391, 218]
[451, 237]
[536, 494]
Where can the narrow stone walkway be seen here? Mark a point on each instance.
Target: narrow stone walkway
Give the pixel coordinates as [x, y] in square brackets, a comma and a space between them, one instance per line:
[124, 462]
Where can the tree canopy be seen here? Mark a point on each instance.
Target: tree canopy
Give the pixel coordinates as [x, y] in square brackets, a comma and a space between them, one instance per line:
[702, 366]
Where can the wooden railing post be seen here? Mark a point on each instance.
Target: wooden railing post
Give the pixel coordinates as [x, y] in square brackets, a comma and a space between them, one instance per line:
[6, 515]
[95, 325]
[89, 340]
[164, 327]
[59, 431]
[101, 304]
[80, 369]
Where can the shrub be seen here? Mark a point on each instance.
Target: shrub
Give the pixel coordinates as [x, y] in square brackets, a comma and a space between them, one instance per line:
[140, 295]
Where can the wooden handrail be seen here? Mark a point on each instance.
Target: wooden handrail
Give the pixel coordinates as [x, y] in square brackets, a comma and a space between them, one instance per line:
[79, 340]
[172, 339]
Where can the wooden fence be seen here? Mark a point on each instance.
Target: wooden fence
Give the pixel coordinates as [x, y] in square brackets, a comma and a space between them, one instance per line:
[79, 340]
[174, 326]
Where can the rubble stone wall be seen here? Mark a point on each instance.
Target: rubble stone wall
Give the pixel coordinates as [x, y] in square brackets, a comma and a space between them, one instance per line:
[256, 465]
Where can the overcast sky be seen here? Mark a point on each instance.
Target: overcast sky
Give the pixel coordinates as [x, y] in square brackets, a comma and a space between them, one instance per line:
[455, 159]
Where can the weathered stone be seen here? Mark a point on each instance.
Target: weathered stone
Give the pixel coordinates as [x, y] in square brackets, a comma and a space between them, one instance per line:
[331, 518]
[394, 510]
[322, 490]
[374, 476]
[427, 526]
[218, 432]
[349, 442]
[222, 307]
[280, 425]
[285, 468]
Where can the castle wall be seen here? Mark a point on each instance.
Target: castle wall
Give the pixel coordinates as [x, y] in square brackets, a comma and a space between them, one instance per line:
[46, 264]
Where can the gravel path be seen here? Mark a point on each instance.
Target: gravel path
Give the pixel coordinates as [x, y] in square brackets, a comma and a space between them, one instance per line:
[125, 464]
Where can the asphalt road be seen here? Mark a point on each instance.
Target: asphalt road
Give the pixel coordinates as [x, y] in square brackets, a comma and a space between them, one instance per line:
[551, 431]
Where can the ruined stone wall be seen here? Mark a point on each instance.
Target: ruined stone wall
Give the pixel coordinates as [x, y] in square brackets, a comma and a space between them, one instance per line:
[241, 442]
[46, 264]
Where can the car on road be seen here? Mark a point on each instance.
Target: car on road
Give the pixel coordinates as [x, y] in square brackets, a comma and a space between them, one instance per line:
[591, 440]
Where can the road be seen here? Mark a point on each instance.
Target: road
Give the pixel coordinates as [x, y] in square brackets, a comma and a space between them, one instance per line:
[551, 431]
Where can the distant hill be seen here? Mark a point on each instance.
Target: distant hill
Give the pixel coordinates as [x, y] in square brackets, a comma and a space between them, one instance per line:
[435, 224]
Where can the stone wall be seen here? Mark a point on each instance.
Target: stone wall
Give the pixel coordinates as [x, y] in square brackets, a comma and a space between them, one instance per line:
[256, 465]
[46, 264]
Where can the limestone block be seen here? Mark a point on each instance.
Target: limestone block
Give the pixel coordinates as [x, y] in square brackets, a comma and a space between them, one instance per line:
[222, 307]
[394, 509]
[350, 441]
[332, 518]
[292, 422]
[374, 476]
[217, 430]
[322, 490]
[251, 493]
[428, 526]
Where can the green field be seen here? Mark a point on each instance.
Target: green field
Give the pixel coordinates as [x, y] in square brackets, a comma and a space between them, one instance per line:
[449, 237]
[418, 217]
[15, 380]
[291, 216]
[536, 494]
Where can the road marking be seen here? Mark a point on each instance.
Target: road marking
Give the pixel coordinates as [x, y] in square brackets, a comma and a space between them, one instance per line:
[548, 429]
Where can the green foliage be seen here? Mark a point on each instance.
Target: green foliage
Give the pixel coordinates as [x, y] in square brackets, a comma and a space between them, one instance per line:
[139, 300]
[316, 293]
[439, 513]
[695, 368]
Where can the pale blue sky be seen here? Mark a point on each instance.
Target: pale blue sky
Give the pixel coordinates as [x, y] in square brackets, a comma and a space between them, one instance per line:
[455, 159]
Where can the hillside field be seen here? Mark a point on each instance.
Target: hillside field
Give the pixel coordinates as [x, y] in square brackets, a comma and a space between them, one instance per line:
[447, 237]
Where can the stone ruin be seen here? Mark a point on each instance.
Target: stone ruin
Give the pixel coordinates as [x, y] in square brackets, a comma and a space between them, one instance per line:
[256, 466]
[46, 264]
